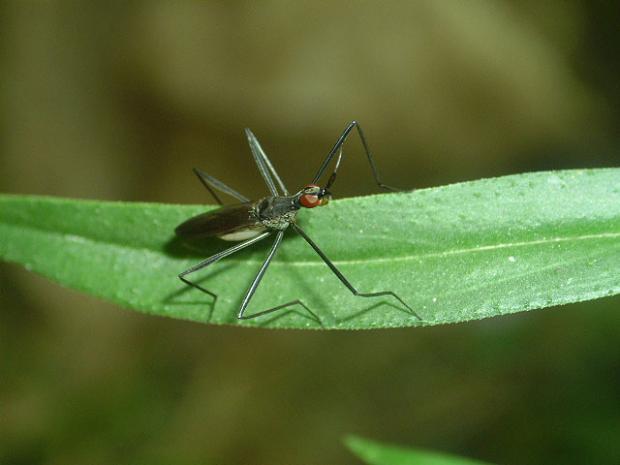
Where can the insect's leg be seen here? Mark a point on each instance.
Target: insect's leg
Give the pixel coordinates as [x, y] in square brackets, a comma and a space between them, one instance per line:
[256, 282]
[280, 307]
[211, 183]
[337, 148]
[264, 165]
[218, 256]
[344, 280]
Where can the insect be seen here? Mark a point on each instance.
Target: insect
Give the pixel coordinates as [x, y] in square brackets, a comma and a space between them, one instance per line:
[252, 221]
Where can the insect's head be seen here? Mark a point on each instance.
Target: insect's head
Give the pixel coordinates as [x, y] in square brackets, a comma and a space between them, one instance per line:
[313, 196]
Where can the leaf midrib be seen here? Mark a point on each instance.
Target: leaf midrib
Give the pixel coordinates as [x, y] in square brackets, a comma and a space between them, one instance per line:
[345, 262]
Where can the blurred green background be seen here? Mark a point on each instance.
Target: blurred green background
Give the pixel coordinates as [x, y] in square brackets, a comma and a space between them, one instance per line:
[119, 100]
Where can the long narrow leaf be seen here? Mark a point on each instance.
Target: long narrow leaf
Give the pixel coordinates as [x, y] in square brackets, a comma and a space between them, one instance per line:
[455, 253]
[374, 453]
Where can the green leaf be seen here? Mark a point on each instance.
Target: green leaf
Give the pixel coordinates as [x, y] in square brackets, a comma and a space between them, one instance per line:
[374, 453]
[455, 253]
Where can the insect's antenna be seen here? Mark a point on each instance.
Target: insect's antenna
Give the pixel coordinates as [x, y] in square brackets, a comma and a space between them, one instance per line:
[337, 148]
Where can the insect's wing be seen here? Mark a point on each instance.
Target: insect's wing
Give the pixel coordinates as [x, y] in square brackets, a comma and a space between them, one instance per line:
[219, 222]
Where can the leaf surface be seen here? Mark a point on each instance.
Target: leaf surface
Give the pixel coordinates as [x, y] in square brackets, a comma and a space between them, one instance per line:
[374, 453]
[454, 253]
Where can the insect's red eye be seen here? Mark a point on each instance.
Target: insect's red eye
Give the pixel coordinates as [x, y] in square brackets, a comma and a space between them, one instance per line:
[309, 200]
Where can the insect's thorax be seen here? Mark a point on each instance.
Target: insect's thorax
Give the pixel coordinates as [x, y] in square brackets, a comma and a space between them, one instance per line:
[276, 212]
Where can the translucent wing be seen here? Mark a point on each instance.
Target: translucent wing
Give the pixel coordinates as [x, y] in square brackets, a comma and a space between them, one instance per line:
[225, 220]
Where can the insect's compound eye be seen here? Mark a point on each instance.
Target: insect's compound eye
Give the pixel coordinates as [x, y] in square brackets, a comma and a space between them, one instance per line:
[309, 197]
[309, 200]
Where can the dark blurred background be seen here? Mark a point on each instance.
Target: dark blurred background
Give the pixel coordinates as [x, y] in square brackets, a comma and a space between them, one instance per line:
[119, 100]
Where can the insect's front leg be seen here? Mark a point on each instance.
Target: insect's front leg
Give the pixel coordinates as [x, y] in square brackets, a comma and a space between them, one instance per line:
[337, 149]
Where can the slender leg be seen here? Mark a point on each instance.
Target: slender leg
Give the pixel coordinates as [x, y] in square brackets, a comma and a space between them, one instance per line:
[264, 165]
[211, 183]
[344, 280]
[280, 307]
[218, 256]
[256, 282]
[337, 147]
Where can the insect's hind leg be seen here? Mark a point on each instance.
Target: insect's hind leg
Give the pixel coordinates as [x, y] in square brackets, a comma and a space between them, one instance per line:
[212, 183]
[214, 258]
[198, 286]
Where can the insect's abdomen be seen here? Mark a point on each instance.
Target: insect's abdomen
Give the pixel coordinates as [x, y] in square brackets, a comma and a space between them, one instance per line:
[227, 222]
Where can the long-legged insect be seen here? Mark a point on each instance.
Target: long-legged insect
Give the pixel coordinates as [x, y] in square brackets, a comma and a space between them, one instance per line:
[253, 221]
